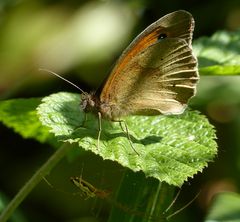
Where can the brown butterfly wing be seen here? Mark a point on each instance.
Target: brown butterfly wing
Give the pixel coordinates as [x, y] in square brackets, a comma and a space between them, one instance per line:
[133, 76]
[161, 79]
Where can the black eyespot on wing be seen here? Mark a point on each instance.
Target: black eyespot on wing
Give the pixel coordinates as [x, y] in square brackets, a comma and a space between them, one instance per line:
[162, 36]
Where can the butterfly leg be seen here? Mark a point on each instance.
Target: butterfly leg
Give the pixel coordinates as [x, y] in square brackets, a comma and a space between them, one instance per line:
[172, 203]
[182, 208]
[128, 135]
[99, 129]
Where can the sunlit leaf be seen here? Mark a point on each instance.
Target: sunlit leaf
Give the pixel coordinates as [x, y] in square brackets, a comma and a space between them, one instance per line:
[170, 148]
[21, 115]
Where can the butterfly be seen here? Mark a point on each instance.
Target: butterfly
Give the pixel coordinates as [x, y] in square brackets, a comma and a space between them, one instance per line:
[156, 74]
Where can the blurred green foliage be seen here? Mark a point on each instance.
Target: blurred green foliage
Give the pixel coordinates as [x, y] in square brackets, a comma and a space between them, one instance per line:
[226, 207]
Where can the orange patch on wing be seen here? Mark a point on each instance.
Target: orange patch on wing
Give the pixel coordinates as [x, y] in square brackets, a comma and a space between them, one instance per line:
[141, 44]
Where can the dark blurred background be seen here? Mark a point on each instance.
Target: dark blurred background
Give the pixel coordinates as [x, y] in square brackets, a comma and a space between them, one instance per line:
[81, 40]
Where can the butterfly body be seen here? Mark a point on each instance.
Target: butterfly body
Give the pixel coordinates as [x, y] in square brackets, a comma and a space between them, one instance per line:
[156, 74]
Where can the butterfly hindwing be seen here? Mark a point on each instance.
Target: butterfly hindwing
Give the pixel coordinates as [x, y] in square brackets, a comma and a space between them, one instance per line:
[164, 79]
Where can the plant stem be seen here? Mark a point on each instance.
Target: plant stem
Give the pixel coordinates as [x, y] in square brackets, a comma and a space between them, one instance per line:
[35, 179]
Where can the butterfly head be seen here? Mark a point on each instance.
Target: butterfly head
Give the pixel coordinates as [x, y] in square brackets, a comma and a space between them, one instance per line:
[89, 102]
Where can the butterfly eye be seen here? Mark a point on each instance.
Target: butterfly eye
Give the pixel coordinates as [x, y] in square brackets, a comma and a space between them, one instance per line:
[162, 36]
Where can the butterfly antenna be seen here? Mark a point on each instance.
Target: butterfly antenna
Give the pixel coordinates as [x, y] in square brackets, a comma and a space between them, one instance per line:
[49, 71]
[50, 185]
[82, 171]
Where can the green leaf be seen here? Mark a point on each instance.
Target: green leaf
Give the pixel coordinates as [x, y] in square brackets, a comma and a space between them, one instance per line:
[171, 148]
[225, 207]
[21, 115]
[219, 54]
